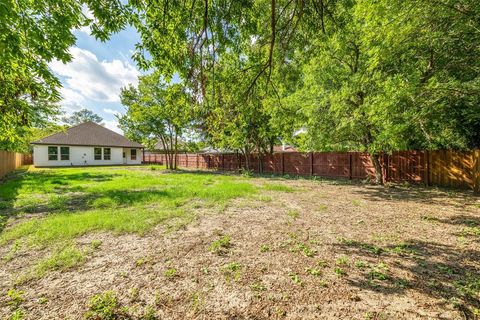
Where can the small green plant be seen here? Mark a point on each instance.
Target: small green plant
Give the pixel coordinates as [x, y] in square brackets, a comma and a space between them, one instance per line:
[340, 272]
[62, 259]
[232, 271]
[356, 203]
[264, 248]
[322, 263]
[170, 273]
[323, 283]
[148, 313]
[314, 272]
[96, 244]
[17, 314]
[378, 272]
[322, 207]
[303, 248]
[221, 246]
[15, 297]
[258, 286]
[361, 264]
[295, 278]
[134, 293]
[13, 250]
[293, 214]
[104, 306]
[342, 261]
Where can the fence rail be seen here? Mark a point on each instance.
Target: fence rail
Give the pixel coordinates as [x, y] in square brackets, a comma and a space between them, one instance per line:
[10, 161]
[459, 169]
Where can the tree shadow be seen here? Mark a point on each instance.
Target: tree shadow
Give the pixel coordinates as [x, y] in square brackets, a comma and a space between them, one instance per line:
[414, 193]
[441, 271]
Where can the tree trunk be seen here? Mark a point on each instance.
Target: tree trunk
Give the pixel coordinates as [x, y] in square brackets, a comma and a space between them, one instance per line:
[165, 149]
[175, 152]
[378, 168]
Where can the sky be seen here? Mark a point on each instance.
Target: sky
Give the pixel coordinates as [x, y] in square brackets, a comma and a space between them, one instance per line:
[96, 74]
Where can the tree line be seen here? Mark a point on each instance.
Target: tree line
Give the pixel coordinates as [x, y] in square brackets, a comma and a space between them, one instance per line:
[366, 75]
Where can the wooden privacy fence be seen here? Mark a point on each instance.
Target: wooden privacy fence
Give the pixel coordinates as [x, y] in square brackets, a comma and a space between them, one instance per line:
[10, 161]
[459, 169]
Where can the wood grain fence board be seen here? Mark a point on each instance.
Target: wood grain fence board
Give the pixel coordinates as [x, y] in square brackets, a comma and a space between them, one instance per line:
[459, 169]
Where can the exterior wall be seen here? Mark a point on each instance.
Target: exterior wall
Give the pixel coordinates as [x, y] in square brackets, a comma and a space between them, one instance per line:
[82, 156]
[128, 154]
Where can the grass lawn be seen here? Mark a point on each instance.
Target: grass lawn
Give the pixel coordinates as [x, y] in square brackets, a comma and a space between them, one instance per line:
[140, 242]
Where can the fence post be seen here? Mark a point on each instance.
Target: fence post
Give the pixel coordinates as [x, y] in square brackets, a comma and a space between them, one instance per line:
[350, 174]
[197, 160]
[426, 171]
[223, 162]
[186, 160]
[283, 163]
[476, 171]
[311, 163]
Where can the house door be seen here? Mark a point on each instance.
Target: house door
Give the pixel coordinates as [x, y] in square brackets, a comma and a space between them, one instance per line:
[124, 157]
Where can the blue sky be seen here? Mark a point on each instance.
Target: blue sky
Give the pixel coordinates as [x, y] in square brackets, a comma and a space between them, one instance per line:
[96, 73]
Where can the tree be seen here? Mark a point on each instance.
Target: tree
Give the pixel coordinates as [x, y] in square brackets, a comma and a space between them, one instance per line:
[32, 34]
[382, 82]
[81, 116]
[156, 110]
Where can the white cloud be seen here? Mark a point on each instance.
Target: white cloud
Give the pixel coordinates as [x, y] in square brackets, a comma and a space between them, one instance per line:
[88, 78]
[110, 111]
[113, 125]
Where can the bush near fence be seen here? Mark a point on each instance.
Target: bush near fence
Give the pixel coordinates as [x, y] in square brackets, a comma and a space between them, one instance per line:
[458, 169]
[10, 161]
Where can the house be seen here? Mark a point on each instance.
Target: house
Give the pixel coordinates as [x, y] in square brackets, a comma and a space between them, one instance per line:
[87, 144]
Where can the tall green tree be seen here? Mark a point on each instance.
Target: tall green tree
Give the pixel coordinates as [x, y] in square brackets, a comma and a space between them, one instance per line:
[33, 33]
[81, 116]
[157, 110]
[389, 75]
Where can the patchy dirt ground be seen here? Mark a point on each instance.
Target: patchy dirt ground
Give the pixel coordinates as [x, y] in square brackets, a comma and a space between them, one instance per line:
[325, 251]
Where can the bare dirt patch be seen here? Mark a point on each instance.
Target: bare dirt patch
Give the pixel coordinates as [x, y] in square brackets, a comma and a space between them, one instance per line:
[327, 250]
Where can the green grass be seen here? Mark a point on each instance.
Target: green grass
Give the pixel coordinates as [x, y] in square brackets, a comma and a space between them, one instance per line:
[278, 187]
[69, 202]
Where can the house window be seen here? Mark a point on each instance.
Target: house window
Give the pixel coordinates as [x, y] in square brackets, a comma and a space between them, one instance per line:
[64, 153]
[106, 153]
[52, 153]
[133, 154]
[97, 153]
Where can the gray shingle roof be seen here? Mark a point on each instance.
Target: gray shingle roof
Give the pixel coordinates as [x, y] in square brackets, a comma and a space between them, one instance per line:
[89, 134]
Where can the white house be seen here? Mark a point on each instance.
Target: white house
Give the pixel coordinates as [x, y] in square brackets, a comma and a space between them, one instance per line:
[87, 144]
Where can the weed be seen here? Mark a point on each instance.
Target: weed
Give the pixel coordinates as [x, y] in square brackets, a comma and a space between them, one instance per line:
[18, 314]
[104, 306]
[231, 271]
[402, 283]
[378, 272]
[170, 273]
[221, 246]
[361, 264]
[356, 203]
[15, 297]
[264, 248]
[469, 286]
[303, 248]
[295, 278]
[342, 261]
[13, 250]
[148, 313]
[278, 187]
[340, 272]
[134, 293]
[322, 263]
[470, 231]
[62, 259]
[322, 207]
[293, 214]
[403, 248]
[323, 283]
[42, 300]
[314, 272]
[96, 244]
[258, 286]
